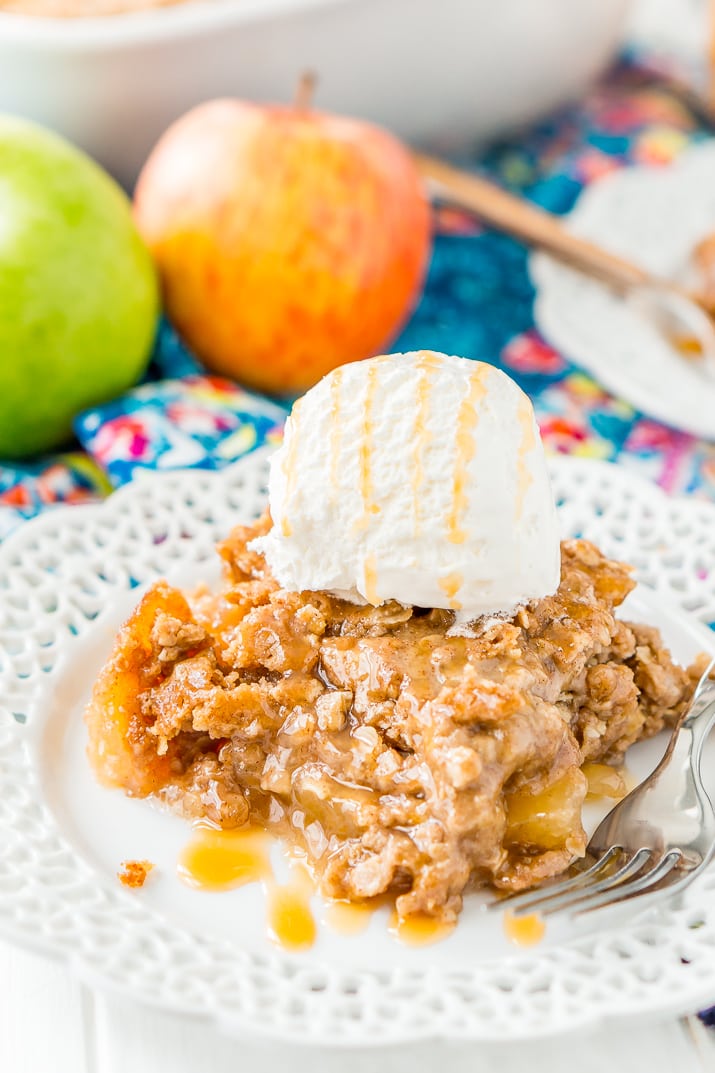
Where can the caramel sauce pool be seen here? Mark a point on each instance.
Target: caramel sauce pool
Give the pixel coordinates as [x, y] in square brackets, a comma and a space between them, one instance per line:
[216, 860]
[418, 929]
[290, 918]
[524, 931]
[221, 860]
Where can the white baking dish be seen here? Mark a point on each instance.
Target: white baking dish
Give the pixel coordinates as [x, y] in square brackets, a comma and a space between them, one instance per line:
[436, 71]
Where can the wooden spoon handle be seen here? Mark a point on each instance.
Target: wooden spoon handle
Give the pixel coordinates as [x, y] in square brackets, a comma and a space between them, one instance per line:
[532, 225]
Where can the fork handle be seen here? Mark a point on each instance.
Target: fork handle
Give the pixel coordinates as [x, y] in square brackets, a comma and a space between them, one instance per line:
[696, 725]
[684, 749]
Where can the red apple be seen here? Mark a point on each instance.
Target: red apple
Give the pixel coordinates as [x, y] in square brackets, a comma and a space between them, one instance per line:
[288, 241]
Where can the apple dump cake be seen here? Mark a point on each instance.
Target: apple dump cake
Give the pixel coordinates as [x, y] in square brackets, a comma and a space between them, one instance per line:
[403, 746]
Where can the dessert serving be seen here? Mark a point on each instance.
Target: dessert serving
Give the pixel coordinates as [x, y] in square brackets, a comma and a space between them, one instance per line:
[402, 675]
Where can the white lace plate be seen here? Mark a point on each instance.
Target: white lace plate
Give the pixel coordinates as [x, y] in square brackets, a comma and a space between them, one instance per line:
[653, 216]
[67, 580]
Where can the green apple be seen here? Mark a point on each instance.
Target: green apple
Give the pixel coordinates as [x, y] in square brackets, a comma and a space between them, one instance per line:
[78, 291]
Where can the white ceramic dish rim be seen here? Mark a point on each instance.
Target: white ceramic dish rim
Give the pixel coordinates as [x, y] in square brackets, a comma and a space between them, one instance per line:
[185, 18]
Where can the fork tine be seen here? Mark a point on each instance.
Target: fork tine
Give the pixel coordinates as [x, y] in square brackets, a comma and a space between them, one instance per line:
[566, 898]
[519, 903]
[639, 885]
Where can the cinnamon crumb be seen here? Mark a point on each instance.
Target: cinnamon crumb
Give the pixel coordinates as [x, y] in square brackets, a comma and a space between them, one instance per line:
[134, 873]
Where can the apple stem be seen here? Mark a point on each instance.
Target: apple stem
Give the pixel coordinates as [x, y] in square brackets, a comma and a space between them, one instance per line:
[305, 91]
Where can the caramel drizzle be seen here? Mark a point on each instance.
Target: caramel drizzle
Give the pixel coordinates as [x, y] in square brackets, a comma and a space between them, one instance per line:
[336, 382]
[426, 364]
[467, 418]
[366, 488]
[370, 581]
[419, 929]
[291, 470]
[226, 859]
[450, 586]
[524, 931]
[291, 924]
[528, 444]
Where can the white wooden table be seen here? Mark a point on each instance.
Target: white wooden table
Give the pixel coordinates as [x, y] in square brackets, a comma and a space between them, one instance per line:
[50, 1023]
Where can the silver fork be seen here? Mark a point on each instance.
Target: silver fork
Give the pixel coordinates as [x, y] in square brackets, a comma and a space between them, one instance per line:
[658, 838]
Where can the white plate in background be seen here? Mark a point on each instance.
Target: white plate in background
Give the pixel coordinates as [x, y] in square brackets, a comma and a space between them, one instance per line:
[654, 216]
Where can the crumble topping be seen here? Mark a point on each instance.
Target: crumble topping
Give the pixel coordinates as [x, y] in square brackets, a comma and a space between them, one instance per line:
[134, 873]
[401, 758]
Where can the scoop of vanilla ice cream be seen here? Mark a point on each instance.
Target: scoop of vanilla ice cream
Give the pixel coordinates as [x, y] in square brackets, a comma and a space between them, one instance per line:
[419, 478]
